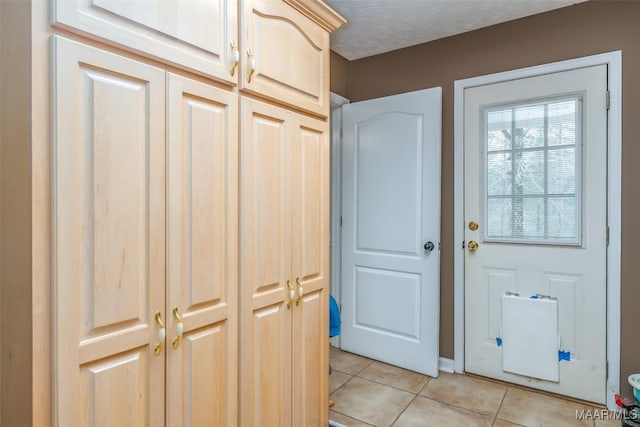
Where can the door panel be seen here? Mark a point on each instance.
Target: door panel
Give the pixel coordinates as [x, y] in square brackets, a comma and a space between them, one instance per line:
[267, 27]
[265, 242]
[195, 35]
[202, 247]
[311, 362]
[550, 235]
[310, 265]
[108, 237]
[205, 378]
[125, 373]
[391, 208]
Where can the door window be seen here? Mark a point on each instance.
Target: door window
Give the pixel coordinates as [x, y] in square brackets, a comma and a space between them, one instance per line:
[532, 180]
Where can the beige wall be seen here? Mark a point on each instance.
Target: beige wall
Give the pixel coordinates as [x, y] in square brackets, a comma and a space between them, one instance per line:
[588, 28]
[339, 74]
[15, 217]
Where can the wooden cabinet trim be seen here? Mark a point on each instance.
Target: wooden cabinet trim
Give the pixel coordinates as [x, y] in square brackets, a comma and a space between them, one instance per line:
[320, 13]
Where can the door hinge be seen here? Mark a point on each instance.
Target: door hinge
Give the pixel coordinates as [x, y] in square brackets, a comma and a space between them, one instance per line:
[341, 133]
[608, 99]
[340, 221]
[606, 370]
[608, 234]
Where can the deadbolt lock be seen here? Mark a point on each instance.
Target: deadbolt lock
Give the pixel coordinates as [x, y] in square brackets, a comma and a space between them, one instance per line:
[473, 226]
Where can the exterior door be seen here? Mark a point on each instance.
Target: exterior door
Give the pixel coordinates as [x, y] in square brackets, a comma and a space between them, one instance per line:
[265, 253]
[109, 238]
[202, 243]
[391, 229]
[535, 222]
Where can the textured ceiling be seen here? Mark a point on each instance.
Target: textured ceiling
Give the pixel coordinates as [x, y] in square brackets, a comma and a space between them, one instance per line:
[378, 26]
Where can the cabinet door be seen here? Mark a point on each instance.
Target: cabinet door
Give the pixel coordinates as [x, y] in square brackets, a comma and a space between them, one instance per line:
[265, 258]
[202, 245]
[191, 34]
[108, 238]
[291, 56]
[310, 225]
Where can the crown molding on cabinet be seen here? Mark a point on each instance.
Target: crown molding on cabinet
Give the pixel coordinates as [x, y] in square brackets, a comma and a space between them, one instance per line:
[319, 12]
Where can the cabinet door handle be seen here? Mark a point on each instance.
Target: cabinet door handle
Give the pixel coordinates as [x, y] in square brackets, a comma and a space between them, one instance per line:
[162, 334]
[235, 54]
[292, 293]
[300, 291]
[179, 328]
[252, 65]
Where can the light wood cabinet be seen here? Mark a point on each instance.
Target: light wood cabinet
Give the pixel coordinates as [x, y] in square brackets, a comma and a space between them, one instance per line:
[167, 250]
[199, 36]
[113, 275]
[284, 267]
[285, 56]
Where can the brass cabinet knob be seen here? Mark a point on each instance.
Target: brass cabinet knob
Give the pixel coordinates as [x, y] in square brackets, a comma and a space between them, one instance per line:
[473, 245]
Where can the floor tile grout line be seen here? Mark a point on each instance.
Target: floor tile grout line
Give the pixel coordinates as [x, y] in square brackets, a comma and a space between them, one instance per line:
[352, 417]
[342, 385]
[454, 406]
[500, 406]
[365, 367]
[415, 396]
[389, 385]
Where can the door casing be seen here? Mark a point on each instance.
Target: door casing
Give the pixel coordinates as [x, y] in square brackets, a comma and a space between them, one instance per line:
[337, 102]
[614, 199]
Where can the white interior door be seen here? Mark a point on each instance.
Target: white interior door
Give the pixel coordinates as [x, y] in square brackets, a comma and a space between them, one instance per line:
[535, 223]
[391, 229]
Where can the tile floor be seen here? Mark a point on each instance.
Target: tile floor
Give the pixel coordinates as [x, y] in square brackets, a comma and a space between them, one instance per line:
[370, 393]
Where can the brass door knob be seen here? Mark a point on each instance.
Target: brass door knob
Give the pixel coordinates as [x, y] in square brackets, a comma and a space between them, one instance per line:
[473, 226]
[473, 245]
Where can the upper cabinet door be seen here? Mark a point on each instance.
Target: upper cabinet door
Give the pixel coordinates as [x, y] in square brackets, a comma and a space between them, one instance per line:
[195, 35]
[285, 56]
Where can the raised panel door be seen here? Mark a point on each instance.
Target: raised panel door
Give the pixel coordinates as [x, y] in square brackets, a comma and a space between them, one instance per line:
[108, 238]
[202, 245]
[265, 258]
[310, 266]
[195, 35]
[290, 54]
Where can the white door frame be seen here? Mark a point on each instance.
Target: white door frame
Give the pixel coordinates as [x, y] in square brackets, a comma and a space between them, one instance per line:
[337, 102]
[614, 199]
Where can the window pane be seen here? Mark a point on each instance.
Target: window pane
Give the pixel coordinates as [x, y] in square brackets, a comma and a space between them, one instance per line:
[533, 218]
[499, 218]
[562, 123]
[562, 218]
[529, 173]
[499, 130]
[499, 174]
[529, 126]
[562, 171]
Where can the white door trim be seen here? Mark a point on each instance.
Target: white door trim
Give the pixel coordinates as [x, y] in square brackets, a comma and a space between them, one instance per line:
[337, 102]
[614, 202]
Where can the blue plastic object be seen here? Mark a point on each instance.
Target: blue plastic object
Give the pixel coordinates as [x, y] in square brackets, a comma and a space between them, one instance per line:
[334, 317]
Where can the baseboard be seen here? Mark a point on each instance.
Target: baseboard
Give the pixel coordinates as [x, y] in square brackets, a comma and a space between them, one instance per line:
[446, 365]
